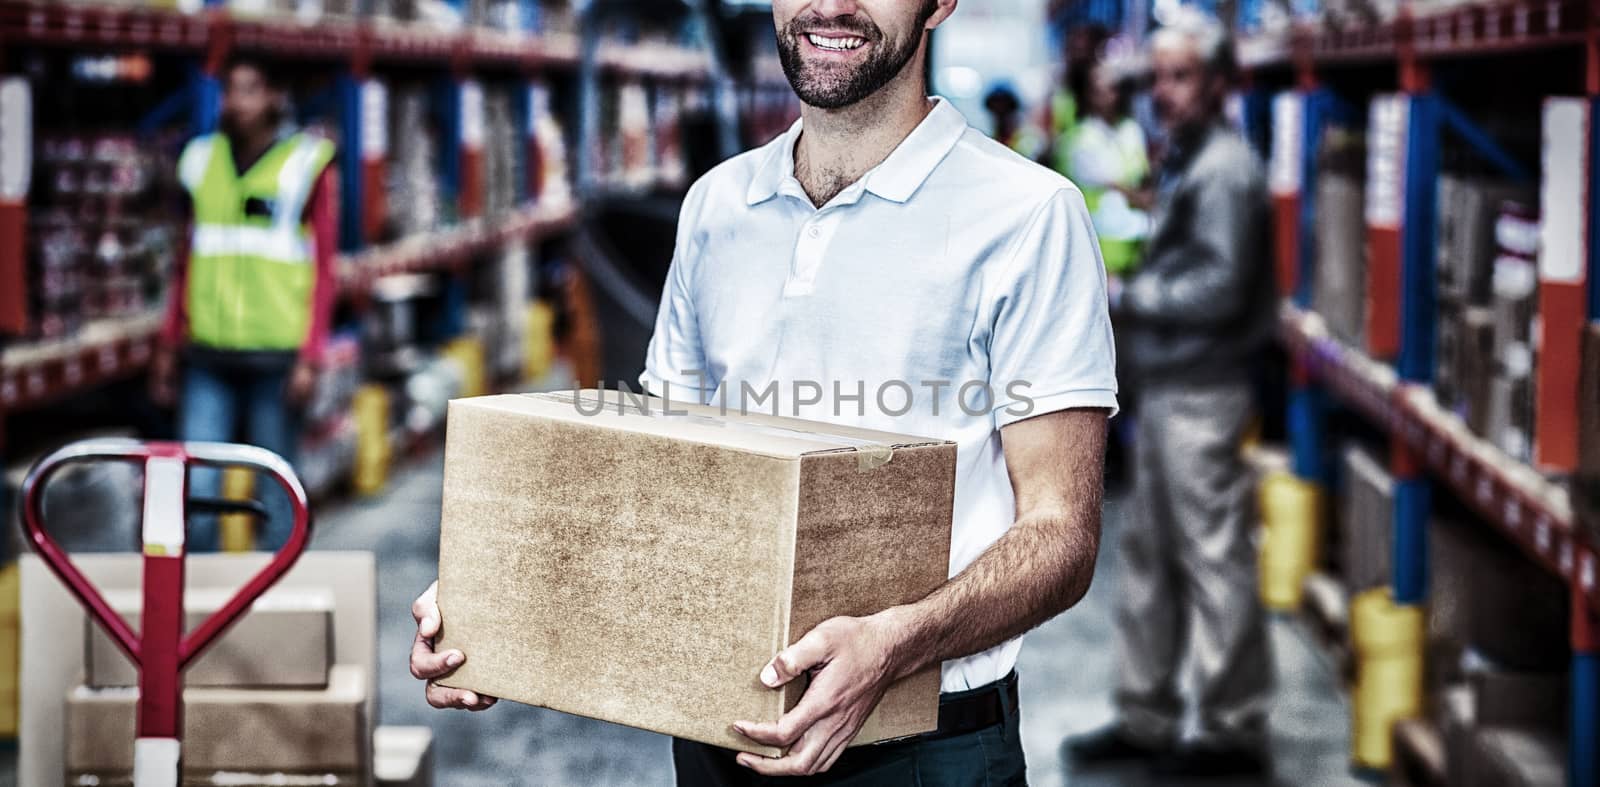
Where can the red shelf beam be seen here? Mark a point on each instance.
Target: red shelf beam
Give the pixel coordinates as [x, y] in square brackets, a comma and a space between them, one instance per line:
[451, 248]
[1464, 31]
[25, 386]
[83, 25]
[1530, 512]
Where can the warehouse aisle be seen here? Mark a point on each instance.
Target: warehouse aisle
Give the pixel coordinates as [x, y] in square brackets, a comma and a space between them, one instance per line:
[1066, 668]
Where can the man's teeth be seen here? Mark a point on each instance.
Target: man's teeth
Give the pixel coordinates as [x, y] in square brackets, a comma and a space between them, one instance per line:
[840, 44]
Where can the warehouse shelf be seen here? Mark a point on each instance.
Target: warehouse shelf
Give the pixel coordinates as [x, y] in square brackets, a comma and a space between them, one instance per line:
[454, 246]
[86, 25]
[39, 373]
[1466, 30]
[1531, 511]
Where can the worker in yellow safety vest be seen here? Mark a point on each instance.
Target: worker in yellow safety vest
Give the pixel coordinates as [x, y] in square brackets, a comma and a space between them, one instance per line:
[249, 310]
[1105, 155]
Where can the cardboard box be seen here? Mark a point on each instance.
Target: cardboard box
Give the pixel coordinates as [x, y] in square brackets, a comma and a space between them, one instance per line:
[641, 568]
[251, 730]
[402, 756]
[285, 640]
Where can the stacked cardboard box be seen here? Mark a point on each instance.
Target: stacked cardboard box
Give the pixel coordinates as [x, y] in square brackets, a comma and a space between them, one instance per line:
[302, 732]
[265, 698]
[283, 698]
[296, 625]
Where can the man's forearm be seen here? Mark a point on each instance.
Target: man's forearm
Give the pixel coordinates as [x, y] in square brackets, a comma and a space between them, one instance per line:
[1037, 570]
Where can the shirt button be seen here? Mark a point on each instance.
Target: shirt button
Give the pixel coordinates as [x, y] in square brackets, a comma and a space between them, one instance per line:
[813, 232]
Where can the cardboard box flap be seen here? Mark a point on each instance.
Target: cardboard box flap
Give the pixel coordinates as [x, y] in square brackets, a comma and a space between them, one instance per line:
[756, 433]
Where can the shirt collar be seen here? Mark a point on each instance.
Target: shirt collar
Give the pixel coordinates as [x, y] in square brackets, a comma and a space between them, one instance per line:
[896, 178]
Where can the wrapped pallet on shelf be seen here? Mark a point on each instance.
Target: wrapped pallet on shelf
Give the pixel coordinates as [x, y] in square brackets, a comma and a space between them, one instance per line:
[1514, 293]
[103, 227]
[500, 156]
[549, 180]
[1338, 292]
[413, 187]
[327, 449]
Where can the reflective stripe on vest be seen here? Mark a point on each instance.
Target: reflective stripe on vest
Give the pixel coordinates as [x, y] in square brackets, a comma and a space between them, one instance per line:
[251, 271]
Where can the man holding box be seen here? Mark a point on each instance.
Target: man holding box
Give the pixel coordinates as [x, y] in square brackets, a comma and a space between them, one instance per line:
[883, 245]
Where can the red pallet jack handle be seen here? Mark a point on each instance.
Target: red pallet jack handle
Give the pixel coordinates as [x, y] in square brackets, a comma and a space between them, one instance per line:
[161, 651]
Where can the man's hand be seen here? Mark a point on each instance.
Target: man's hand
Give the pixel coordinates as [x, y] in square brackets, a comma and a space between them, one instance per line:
[428, 665]
[164, 377]
[852, 663]
[302, 383]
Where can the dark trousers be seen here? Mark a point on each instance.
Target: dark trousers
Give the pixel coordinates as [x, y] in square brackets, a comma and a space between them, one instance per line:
[987, 757]
[218, 392]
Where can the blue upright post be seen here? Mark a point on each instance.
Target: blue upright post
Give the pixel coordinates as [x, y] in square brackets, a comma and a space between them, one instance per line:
[449, 114]
[522, 118]
[351, 181]
[1418, 311]
[1314, 104]
[1307, 401]
[207, 103]
[1583, 767]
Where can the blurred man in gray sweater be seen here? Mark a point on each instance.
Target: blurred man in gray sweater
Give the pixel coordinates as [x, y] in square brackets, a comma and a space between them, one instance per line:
[1193, 319]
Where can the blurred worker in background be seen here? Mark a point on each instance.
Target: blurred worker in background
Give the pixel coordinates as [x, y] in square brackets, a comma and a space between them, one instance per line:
[1085, 44]
[1194, 316]
[1008, 125]
[1105, 156]
[1107, 160]
[250, 308]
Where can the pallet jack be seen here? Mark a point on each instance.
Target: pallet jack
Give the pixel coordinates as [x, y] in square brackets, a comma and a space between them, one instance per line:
[161, 650]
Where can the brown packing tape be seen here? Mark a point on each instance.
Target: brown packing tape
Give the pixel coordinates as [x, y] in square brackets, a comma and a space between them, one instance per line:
[869, 457]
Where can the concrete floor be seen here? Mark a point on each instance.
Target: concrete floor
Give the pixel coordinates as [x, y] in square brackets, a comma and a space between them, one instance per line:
[1067, 669]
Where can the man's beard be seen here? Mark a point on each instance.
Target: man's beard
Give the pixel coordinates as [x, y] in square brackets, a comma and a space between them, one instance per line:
[827, 88]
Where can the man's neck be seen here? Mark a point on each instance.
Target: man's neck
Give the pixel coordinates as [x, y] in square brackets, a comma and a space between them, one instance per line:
[838, 146]
[248, 146]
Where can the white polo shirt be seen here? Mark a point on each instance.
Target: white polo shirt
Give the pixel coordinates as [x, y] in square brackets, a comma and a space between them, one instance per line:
[955, 261]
